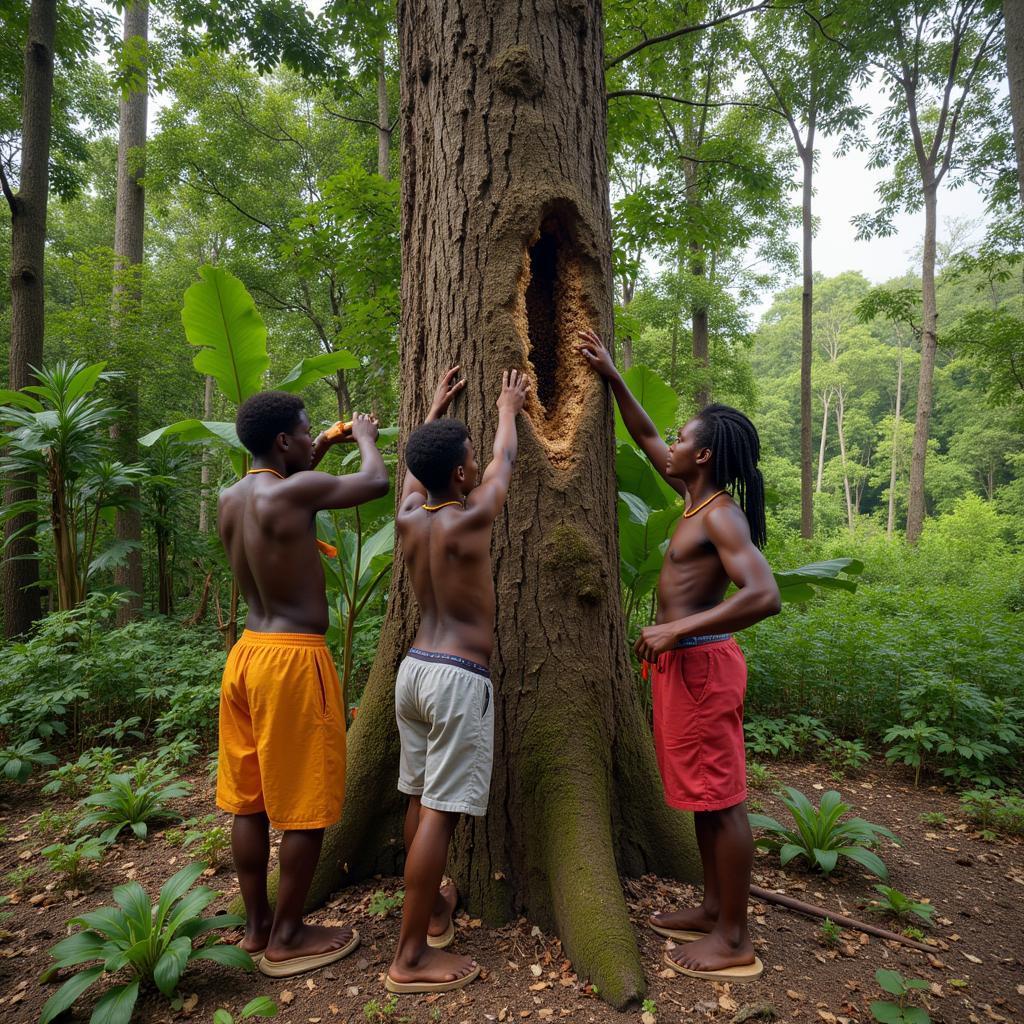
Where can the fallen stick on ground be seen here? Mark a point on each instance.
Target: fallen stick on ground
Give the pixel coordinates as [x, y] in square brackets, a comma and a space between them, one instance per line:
[840, 919]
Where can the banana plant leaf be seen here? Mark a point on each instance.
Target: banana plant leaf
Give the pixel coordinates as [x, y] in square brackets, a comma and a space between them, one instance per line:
[660, 402]
[797, 585]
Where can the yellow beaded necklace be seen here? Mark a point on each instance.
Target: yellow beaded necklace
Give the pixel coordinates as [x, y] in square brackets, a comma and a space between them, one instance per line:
[707, 501]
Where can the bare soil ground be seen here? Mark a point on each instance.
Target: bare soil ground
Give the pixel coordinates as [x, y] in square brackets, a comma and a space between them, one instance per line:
[974, 972]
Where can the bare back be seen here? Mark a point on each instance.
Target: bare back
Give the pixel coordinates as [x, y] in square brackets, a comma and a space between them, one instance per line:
[449, 560]
[271, 544]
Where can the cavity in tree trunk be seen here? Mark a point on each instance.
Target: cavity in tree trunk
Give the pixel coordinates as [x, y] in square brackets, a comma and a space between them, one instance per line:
[895, 443]
[128, 252]
[28, 238]
[915, 504]
[1013, 16]
[826, 399]
[505, 231]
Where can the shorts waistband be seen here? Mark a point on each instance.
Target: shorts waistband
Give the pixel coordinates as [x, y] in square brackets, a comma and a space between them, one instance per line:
[260, 639]
[449, 659]
[699, 641]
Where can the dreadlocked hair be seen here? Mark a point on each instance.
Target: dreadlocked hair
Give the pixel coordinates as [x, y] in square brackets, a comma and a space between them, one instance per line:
[735, 450]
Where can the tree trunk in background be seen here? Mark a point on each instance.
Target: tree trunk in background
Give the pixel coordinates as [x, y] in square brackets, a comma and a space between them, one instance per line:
[1013, 16]
[891, 520]
[506, 254]
[915, 505]
[700, 333]
[204, 472]
[129, 228]
[383, 120]
[807, 342]
[28, 241]
[840, 414]
[826, 400]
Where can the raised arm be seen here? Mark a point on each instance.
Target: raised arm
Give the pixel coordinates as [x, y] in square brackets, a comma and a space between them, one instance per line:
[638, 423]
[487, 499]
[324, 490]
[756, 598]
[448, 387]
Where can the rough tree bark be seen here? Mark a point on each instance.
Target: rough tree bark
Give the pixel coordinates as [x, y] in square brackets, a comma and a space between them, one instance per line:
[129, 227]
[894, 464]
[1013, 17]
[506, 251]
[20, 571]
[806, 152]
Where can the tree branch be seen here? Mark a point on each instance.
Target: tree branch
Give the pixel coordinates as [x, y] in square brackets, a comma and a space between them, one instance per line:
[7, 188]
[692, 103]
[212, 189]
[685, 30]
[359, 120]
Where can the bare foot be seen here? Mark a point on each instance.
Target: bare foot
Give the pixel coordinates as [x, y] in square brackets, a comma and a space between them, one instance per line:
[713, 953]
[256, 935]
[308, 940]
[432, 965]
[696, 919]
[444, 908]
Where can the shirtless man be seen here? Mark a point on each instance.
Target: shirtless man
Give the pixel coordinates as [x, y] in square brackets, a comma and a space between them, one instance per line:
[282, 727]
[443, 698]
[700, 676]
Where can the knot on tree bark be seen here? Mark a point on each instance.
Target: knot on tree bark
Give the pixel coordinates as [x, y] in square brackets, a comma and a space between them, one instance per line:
[575, 565]
[517, 74]
[424, 68]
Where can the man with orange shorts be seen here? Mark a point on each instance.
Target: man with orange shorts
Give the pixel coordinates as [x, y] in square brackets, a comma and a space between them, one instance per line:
[700, 677]
[282, 726]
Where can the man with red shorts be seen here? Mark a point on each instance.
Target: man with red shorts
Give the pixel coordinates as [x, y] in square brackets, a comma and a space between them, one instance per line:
[700, 677]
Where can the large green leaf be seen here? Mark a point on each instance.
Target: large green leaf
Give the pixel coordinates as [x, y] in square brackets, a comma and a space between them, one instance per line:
[195, 430]
[174, 888]
[313, 368]
[78, 949]
[866, 859]
[83, 381]
[170, 967]
[117, 1005]
[226, 954]
[68, 993]
[798, 584]
[20, 400]
[222, 320]
[635, 474]
[660, 402]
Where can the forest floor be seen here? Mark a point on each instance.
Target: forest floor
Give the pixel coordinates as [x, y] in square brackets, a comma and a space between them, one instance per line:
[976, 972]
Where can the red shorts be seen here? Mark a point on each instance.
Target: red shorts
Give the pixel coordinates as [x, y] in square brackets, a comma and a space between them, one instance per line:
[698, 725]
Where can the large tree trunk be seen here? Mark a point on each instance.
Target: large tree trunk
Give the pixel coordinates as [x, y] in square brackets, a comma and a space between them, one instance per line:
[915, 506]
[506, 243]
[891, 520]
[807, 344]
[128, 251]
[1013, 15]
[699, 327]
[20, 573]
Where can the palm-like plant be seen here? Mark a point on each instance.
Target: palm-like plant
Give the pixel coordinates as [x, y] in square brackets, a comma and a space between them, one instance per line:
[58, 431]
[820, 835]
[152, 943]
[133, 800]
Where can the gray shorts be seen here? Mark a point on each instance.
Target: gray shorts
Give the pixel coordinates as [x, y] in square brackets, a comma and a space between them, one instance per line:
[445, 710]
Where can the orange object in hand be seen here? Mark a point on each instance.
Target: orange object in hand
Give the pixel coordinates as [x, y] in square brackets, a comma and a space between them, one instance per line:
[340, 429]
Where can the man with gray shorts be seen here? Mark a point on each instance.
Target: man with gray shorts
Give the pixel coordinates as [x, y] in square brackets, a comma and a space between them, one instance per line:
[443, 697]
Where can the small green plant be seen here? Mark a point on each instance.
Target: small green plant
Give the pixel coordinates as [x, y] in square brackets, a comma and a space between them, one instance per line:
[846, 756]
[77, 777]
[935, 818]
[55, 823]
[123, 727]
[378, 1013]
[914, 933]
[152, 943]
[994, 811]
[830, 932]
[381, 904]
[900, 1012]
[72, 860]
[757, 775]
[820, 835]
[17, 880]
[911, 744]
[177, 752]
[899, 907]
[261, 1006]
[17, 762]
[133, 800]
[3, 833]
[649, 1006]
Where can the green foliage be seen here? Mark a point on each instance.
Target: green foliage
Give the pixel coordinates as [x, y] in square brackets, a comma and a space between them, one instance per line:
[830, 932]
[794, 736]
[377, 1012]
[900, 907]
[210, 841]
[71, 861]
[17, 762]
[1001, 811]
[936, 818]
[133, 800]
[381, 904]
[846, 756]
[151, 943]
[900, 1012]
[55, 823]
[757, 775]
[18, 878]
[261, 1006]
[820, 836]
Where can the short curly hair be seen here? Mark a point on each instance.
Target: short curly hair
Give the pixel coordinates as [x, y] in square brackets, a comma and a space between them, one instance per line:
[263, 416]
[434, 449]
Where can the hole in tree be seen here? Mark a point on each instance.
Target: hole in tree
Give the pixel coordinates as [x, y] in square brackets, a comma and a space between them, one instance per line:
[542, 310]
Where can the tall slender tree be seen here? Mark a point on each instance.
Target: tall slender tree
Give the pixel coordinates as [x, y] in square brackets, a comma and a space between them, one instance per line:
[129, 226]
[1013, 15]
[939, 63]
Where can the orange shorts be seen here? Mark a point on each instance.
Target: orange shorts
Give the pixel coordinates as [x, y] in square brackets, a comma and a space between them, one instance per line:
[282, 731]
